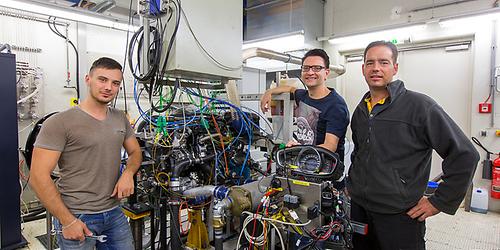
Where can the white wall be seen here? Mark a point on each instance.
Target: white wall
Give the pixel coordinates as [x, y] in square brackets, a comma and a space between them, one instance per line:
[345, 17]
[92, 42]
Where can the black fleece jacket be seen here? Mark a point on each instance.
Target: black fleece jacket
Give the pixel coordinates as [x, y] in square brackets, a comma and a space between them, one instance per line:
[392, 156]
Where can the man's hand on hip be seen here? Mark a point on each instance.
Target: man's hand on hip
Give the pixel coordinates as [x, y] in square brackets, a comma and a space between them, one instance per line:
[423, 210]
[125, 186]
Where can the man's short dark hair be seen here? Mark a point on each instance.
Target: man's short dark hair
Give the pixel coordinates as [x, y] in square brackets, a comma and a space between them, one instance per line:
[389, 45]
[318, 52]
[105, 63]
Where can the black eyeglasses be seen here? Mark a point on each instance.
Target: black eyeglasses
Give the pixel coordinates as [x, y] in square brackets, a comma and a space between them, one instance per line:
[315, 68]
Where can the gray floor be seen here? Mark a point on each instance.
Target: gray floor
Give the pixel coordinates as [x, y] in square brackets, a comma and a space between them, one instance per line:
[444, 232]
[464, 231]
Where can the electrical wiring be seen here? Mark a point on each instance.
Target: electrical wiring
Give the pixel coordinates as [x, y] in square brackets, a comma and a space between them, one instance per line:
[21, 173]
[165, 107]
[254, 219]
[157, 48]
[241, 129]
[155, 82]
[142, 114]
[264, 118]
[251, 239]
[156, 68]
[221, 143]
[244, 119]
[282, 222]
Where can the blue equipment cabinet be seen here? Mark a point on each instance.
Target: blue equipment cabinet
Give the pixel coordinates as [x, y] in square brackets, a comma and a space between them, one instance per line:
[10, 214]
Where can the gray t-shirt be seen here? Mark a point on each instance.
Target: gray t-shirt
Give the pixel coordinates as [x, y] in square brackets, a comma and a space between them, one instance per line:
[90, 156]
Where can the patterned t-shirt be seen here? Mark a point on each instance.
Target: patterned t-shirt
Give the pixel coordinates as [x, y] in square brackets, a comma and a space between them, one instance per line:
[316, 117]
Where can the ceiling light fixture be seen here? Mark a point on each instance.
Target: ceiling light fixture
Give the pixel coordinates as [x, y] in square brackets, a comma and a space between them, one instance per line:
[74, 15]
[396, 35]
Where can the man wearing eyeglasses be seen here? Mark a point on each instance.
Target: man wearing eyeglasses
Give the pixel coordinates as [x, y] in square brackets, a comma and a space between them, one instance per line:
[395, 131]
[322, 115]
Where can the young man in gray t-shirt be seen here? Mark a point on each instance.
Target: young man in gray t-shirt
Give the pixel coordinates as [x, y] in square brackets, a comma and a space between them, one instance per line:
[85, 141]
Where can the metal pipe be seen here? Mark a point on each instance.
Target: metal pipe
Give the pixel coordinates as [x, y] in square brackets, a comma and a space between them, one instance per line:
[103, 6]
[29, 17]
[218, 221]
[262, 5]
[143, 9]
[493, 82]
[440, 5]
[136, 226]
[206, 190]
[49, 231]
[68, 79]
[283, 57]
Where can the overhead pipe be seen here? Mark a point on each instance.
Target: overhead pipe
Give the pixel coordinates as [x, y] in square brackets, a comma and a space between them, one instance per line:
[103, 6]
[283, 57]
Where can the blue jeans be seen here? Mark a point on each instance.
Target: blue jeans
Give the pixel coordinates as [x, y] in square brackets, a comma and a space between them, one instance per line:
[112, 223]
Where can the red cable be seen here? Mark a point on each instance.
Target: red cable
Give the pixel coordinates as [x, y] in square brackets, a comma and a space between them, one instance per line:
[254, 224]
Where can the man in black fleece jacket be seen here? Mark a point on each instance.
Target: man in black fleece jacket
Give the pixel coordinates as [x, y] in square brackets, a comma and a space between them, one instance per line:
[394, 132]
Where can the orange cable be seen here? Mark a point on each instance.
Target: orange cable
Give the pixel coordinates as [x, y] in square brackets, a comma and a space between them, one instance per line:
[221, 143]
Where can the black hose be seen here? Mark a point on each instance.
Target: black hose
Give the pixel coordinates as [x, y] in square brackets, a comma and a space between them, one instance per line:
[476, 141]
[156, 56]
[56, 31]
[175, 237]
[179, 167]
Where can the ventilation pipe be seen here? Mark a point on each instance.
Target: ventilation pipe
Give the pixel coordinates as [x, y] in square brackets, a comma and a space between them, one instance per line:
[283, 57]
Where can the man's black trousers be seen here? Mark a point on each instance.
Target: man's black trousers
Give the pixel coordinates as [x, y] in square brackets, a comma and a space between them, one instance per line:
[387, 231]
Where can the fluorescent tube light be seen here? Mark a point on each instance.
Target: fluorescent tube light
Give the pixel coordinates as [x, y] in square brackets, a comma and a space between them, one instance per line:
[397, 35]
[471, 22]
[65, 14]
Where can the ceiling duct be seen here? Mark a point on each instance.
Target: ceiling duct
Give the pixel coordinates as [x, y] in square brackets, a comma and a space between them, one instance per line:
[98, 6]
[264, 19]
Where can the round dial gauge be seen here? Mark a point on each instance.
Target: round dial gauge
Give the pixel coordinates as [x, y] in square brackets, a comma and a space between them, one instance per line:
[310, 163]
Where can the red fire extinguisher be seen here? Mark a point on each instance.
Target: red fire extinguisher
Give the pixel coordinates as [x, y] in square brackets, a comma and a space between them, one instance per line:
[495, 179]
